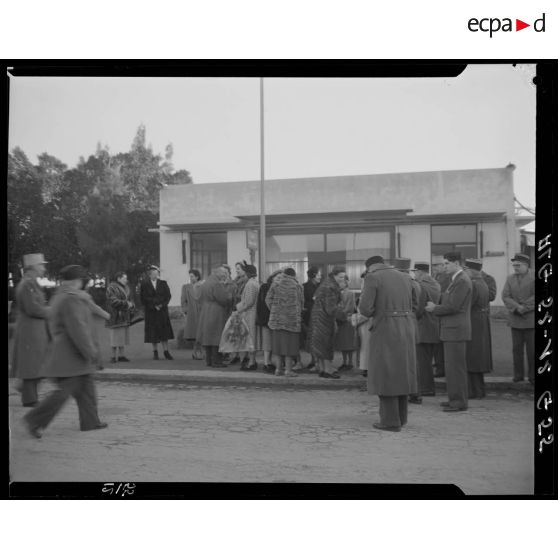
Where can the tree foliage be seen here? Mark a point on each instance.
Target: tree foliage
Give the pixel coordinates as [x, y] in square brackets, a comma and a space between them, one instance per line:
[96, 214]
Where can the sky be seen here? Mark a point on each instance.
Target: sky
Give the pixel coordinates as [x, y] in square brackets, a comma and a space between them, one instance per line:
[484, 118]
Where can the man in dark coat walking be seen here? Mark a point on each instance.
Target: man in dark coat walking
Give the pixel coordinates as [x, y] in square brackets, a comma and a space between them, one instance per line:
[389, 298]
[428, 329]
[454, 311]
[71, 358]
[155, 296]
[31, 334]
[519, 297]
[479, 350]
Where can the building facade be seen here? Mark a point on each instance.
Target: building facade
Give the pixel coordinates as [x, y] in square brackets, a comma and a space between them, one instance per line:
[340, 221]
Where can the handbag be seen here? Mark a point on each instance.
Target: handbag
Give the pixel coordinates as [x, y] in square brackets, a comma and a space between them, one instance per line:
[136, 316]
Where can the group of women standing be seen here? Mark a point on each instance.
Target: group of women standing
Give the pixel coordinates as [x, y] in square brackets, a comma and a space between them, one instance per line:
[283, 317]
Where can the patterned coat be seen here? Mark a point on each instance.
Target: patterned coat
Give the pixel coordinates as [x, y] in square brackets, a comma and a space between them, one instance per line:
[157, 322]
[31, 334]
[345, 335]
[389, 298]
[191, 306]
[285, 300]
[479, 349]
[248, 306]
[72, 351]
[325, 311]
[519, 297]
[428, 323]
[215, 301]
[118, 296]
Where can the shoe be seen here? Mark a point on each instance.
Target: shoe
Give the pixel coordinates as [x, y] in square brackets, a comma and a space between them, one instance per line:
[415, 399]
[100, 367]
[380, 426]
[312, 368]
[155, 355]
[123, 359]
[365, 373]
[428, 394]
[297, 366]
[113, 360]
[34, 404]
[291, 374]
[234, 360]
[96, 427]
[279, 373]
[439, 375]
[454, 409]
[33, 430]
[168, 356]
[349, 367]
[333, 375]
[219, 365]
[249, 367]
[342, 367]
[444, 404]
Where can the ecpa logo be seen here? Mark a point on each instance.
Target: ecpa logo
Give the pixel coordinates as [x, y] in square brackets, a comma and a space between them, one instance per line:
[494, 24]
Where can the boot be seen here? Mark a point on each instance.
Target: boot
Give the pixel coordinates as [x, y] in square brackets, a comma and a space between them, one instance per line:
[168, 356]
[155, 355]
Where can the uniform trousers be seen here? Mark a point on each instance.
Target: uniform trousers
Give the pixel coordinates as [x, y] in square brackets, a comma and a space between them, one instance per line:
[393, 410]
[520, 338]
[28, 389]
[455, 361]
[425, 371]
[82, 389]
[476, 387]
[439, 359]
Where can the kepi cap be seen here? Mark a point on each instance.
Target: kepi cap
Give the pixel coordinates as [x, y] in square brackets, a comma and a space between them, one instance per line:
[523, 258]
[373, 260]
[473, 263]
[422, 266]
[33, 259]
[403, 264]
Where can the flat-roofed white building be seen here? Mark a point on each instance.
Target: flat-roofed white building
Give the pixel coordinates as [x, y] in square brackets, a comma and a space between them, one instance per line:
[341, 220]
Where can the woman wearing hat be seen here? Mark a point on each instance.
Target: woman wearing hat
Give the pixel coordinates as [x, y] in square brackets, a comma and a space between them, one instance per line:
[247, 308]
[155, 296]
[120, 307]
[70, 362]
[31, 335]
[191, 307]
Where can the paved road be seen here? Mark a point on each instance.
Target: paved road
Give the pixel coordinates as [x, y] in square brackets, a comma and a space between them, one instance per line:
[238, 434]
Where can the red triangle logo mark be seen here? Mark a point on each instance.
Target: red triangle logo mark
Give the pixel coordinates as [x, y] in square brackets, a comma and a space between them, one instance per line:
[519, 25]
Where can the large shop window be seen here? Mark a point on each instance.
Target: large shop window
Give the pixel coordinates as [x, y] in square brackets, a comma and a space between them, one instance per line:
[325, 251]
[453, 238]
[208, 250]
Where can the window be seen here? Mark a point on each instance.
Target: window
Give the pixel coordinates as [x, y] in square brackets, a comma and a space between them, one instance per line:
[349, 249]
[454, 238]
[208, 250]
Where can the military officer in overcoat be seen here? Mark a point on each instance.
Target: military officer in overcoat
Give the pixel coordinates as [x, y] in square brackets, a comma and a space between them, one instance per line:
[479, 350]
[428, 329]
[388, 297]
[454, 312]
[31, 333]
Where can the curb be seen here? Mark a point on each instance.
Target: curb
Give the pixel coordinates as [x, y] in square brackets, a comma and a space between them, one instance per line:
[198, 378]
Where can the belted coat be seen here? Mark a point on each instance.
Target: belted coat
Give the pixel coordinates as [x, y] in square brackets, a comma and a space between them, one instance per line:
[389, 298]
[215, 302]
[479, 349]
[157, 321]
[31, 334]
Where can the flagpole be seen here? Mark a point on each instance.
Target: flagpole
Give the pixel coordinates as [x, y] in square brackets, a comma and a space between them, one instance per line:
[262, 271]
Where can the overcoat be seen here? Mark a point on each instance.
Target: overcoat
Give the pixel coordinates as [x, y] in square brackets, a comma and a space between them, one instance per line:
[215, 304]
[519, 290]
[325, 311]
[428, 323]
[157, 322]
[388, 296]
[31, 333]
[491, 284]
[118, 296]
[285, 299]
[479, 350]
[72, 351]
[191, 306]
[248, 306]
[454, 310]
[309, 289]
[345, 336]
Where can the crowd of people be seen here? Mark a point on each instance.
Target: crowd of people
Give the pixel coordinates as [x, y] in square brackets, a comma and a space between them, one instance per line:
[406, 327]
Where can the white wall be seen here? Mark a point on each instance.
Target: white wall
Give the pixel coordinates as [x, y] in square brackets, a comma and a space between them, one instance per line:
[173, 271]
[415, 242]
[236, 248]
[495, 239]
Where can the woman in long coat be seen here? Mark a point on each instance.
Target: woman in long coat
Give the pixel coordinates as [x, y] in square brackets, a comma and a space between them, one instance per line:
[191, 307]
[155, 296]
[247, 308]
[31, 334]
[215, 303]
[479, 350]
[325, 311]
[119, 306]
[285, 300]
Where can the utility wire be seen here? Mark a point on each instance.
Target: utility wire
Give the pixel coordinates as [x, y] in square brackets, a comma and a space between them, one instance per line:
[528, 209]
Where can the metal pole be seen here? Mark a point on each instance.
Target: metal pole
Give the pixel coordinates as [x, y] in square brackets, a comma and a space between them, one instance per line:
[262, 271]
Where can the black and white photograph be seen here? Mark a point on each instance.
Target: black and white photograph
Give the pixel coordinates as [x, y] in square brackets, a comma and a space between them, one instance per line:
[273, 278]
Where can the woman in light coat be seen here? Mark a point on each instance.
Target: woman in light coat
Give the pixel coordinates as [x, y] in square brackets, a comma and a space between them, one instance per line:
[191, 306]
[247, 308]
[119, 306]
